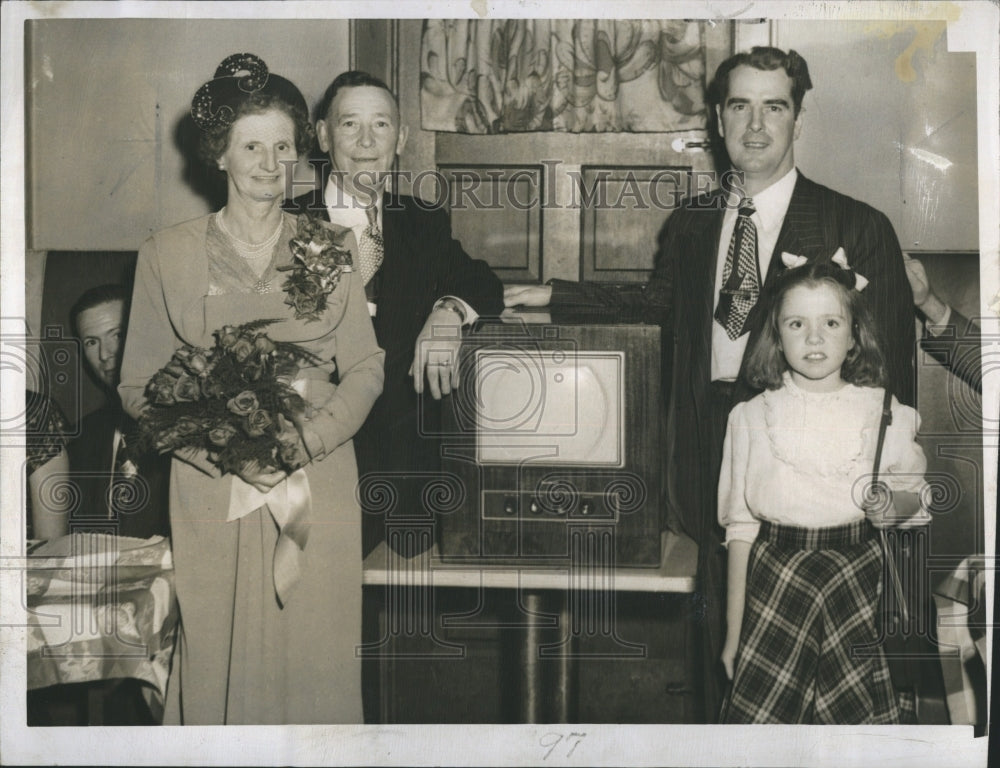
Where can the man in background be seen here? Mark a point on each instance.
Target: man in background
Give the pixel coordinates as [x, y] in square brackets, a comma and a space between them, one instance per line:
[121, 491]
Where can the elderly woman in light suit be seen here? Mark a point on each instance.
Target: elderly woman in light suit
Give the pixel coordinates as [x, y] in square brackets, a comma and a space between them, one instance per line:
[266, 638]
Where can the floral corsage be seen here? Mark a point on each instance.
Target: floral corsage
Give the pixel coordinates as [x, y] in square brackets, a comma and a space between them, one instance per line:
[320, 259]
[234, 400]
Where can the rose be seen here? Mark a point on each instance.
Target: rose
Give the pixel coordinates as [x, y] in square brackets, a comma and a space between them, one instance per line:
[175, 367]
[160, 389]
[166, 441]
[185, 426]
[221, 434]
[291, 455]
[263, 345]
[186, 389]
[244, 403]
[227, 336]
[257, 423]
[197, 363]
[242, 349]
[212, 387]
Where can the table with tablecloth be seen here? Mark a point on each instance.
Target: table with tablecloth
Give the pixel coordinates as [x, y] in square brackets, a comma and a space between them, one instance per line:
[961, 629]
[102, 607]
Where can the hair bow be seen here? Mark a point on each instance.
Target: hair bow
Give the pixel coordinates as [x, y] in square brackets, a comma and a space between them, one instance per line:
[839, 258]
[792, 261]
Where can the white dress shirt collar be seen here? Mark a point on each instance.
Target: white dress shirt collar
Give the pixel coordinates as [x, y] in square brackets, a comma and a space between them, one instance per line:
[345, 209]
[770, 204]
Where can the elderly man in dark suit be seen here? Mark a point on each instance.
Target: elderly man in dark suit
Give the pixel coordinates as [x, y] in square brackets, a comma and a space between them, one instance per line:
[713, 306]
[422, 288]
[120, 489]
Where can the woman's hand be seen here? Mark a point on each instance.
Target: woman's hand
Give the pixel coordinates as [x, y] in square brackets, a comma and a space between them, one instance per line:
[261, 478]
[729, 655]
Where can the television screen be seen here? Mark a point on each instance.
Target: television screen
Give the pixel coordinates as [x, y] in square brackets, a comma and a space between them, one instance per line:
[550, 407]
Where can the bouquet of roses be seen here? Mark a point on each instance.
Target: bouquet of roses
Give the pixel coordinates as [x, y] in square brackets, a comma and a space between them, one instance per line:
[234, 400]
[320, 260]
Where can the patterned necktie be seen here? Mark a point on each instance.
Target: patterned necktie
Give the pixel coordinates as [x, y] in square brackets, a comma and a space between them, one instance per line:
[740, 275]
[371, 248]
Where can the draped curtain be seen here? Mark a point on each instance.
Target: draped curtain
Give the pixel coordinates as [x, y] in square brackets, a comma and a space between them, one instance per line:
[582, 75]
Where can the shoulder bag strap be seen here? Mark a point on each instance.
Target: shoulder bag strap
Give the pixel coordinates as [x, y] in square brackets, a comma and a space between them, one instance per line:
[897, 585]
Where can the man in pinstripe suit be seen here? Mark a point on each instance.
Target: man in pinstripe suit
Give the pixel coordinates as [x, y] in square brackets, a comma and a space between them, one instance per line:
[757, 98]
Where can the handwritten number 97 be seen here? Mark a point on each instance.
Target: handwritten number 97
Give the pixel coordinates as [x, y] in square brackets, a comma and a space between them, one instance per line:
[553, 740]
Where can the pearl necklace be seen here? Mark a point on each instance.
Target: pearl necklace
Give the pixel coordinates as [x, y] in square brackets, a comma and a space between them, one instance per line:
[257, 255]
[250, 250]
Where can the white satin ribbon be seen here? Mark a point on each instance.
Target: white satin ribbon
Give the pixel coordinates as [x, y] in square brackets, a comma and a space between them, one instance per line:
[839, 258]
[289, 498]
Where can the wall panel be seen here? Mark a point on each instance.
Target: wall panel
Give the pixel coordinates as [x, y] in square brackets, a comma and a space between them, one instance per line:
[105, 99]
[496, 213]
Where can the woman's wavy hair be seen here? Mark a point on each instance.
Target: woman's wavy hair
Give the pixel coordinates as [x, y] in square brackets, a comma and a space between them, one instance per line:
[214, 142]
[864, 365]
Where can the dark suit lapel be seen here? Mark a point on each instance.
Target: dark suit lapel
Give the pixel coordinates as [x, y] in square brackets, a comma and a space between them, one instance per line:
[392, 214]
[702, 266]
[801, 232]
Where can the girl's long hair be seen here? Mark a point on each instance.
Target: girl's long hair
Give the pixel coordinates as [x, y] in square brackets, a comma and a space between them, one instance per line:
[864, 365]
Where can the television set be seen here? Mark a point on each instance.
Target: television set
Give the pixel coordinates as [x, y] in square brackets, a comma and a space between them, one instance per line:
[556, 430]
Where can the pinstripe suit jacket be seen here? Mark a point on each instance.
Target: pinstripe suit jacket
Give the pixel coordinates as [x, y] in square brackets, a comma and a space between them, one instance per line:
[422, 263]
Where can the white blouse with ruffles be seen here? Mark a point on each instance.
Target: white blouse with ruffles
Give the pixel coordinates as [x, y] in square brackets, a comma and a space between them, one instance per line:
[805, 458]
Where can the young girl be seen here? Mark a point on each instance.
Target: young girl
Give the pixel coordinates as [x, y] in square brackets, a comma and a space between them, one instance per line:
[795, 498]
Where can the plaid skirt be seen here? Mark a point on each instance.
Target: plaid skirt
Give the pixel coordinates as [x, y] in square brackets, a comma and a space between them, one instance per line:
[808, 649]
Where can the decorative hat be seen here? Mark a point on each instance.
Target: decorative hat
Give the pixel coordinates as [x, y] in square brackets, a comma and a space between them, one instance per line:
[237, 78]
